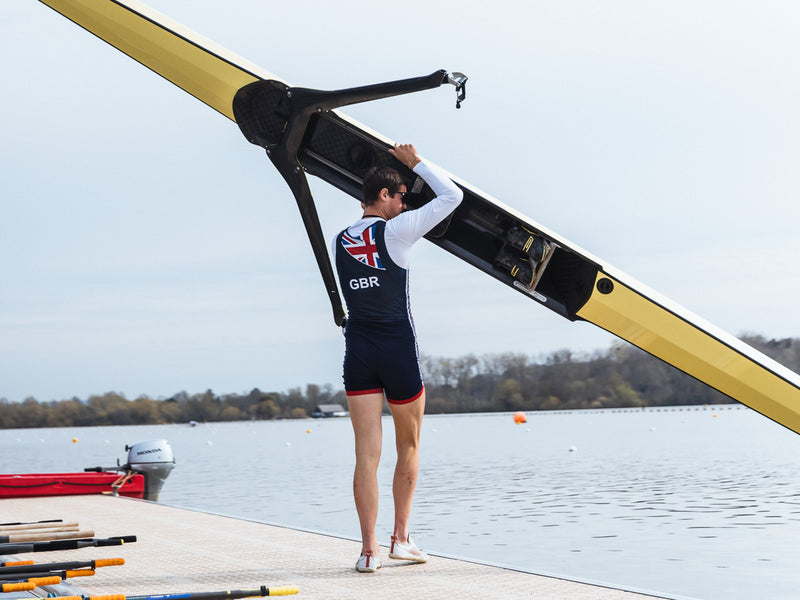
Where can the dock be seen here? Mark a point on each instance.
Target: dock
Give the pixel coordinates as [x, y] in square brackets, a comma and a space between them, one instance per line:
[180, 550]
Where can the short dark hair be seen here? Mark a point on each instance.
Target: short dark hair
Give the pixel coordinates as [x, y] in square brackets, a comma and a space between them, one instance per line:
[377, 179]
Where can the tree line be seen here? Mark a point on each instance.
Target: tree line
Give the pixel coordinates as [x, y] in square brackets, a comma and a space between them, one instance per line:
[621, 376]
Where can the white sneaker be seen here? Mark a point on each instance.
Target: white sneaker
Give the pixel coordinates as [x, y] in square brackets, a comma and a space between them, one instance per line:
[407, 551]
[367, 563]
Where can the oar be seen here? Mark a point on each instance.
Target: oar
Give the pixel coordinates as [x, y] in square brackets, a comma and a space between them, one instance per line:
[226, 595]
[34, 526]
[65, 544]
[75, 564]
[33, 522]
[37, 537]
[15, 577]
[23, 586]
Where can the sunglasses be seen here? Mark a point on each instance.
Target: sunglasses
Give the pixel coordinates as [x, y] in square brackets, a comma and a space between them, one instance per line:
[402, 194]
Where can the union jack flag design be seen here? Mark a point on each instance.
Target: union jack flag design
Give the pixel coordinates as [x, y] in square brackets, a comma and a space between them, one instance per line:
[363, 248]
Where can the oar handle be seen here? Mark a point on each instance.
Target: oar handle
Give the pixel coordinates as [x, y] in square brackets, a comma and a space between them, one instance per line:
[50, 580]
[78, 573]
[41, 525]
[283, 591]
[108, 562]
[17, 587]
[39, 530]
[45, 537]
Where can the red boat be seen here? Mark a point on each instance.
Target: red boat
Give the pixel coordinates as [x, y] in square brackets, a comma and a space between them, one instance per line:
[149, 464]
[66, 484]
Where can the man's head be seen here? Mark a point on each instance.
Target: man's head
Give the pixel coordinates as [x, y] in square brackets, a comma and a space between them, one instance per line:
[379, 178]
[383, 191]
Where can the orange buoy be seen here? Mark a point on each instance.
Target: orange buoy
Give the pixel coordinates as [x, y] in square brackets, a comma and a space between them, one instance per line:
[519, 417]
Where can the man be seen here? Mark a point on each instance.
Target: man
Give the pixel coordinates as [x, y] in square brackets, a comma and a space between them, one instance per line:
[381, 357]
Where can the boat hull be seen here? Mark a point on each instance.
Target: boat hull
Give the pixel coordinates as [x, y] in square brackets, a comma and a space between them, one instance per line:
[69, 484]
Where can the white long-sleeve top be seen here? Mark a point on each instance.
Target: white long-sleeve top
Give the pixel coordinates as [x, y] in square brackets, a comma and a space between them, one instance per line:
[404, 230]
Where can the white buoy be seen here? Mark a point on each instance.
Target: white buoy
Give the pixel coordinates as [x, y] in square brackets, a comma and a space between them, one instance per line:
[573, 448]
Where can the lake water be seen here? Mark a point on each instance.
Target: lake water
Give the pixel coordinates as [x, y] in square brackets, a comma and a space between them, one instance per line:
[701, 502]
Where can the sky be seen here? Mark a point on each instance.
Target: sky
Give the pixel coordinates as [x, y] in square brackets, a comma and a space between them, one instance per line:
[147, 248]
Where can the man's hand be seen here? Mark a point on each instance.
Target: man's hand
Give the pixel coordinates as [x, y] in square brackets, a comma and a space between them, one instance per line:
[406, 154]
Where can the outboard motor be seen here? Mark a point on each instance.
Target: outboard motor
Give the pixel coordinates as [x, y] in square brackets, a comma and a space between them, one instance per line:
[153, 459]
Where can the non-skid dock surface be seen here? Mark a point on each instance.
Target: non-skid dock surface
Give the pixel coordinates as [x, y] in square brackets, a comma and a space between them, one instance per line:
[181, 550]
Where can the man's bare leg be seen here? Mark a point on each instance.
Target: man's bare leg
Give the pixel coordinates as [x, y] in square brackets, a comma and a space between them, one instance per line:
[407, 426]
[365, 416]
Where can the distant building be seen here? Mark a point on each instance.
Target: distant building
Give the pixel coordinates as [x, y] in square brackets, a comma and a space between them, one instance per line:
[329, 410]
